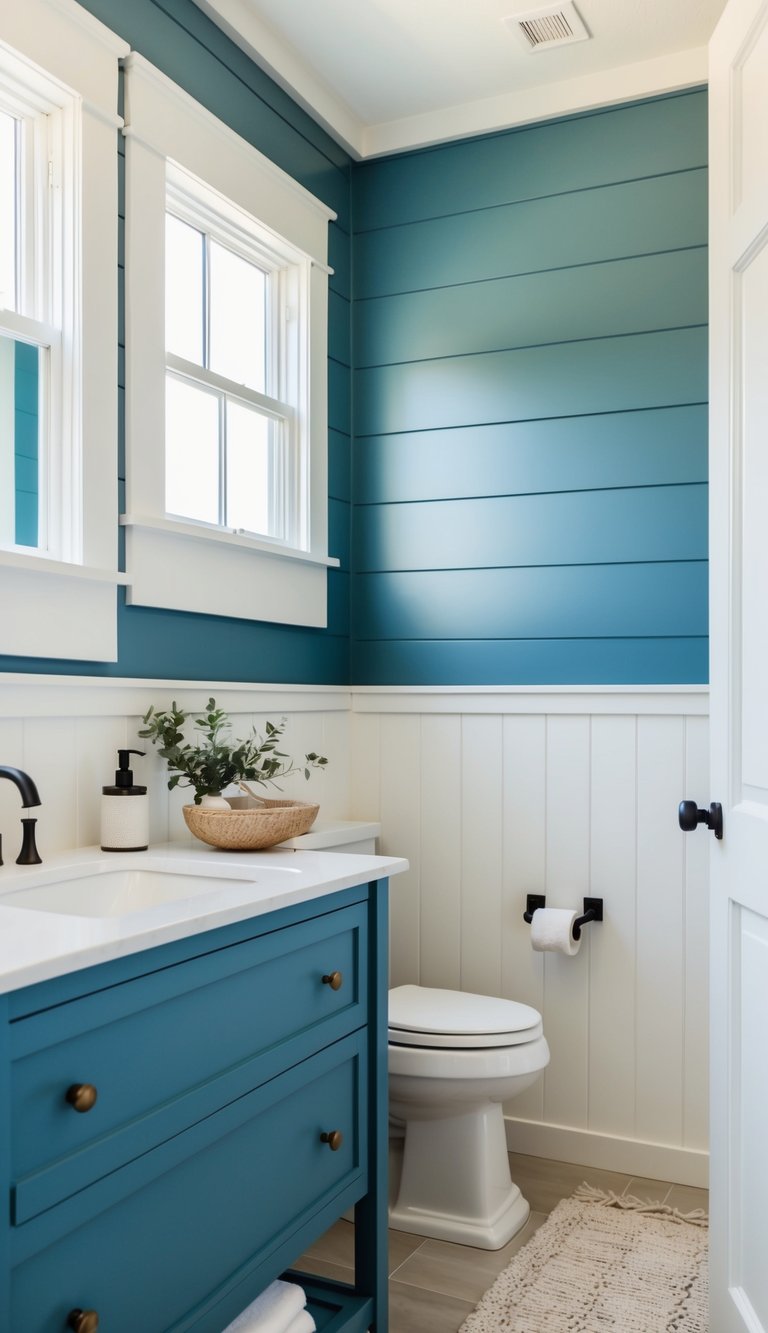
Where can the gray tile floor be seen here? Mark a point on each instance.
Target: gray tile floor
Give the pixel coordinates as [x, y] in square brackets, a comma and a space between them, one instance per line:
[434, 1285]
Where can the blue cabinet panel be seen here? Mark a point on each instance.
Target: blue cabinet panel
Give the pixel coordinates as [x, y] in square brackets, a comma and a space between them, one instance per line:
[578, 601]
[583, 527]
[591, 301]
[165, 1248]
[675, 661]
[605, 375]
[203, 1023]
[183, 1233]
[584, 227]
[656, 447]
[641, 139]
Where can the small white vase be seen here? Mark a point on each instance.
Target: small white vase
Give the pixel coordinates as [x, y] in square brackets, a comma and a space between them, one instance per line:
[214, 803]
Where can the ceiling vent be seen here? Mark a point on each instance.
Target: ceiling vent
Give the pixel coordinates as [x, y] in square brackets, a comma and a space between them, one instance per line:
[555, 25]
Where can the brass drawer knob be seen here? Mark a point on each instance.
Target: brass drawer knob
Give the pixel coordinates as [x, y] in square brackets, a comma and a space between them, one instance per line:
[82, 1096]
[334, 1139]
[333, 979]
[83, 1321]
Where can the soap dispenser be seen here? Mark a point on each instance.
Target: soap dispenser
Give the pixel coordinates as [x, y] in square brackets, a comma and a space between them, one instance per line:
[124, 811]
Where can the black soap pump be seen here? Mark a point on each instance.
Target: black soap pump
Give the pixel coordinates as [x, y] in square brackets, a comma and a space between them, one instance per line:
[124, 810]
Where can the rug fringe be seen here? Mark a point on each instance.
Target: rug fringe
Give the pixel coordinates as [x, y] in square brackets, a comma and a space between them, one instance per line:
[607, 1199]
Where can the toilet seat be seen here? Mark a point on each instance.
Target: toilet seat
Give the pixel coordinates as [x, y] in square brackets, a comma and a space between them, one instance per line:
[423, 1017]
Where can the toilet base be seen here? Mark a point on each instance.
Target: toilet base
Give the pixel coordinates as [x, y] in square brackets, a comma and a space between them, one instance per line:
[488, 1234]
[455, 1183]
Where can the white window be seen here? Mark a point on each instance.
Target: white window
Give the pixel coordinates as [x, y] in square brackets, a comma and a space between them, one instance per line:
[226, 315]
[58, 333]
[233, 302]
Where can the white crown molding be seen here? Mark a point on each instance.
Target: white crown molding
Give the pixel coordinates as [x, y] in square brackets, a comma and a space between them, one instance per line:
[625, 83]
[289, 71]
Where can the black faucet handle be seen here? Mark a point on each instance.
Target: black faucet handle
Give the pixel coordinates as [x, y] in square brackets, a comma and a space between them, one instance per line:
[29, 855]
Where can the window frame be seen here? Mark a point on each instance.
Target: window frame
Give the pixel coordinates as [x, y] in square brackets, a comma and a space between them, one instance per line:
[191, 202]
[176, 563]
[59, 66]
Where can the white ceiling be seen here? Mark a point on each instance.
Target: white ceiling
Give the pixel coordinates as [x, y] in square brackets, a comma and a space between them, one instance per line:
[384, 75]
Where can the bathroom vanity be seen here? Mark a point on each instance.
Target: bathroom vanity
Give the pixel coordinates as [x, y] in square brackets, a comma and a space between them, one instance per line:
[192, 1091]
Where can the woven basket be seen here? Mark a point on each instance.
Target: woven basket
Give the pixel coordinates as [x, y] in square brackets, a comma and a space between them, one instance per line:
[247, 830]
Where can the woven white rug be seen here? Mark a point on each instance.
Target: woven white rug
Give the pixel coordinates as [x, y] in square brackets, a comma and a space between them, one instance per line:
[603, 1262]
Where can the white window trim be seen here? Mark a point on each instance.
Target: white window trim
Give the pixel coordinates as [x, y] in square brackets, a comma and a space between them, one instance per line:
[172, 563]
[67, 59]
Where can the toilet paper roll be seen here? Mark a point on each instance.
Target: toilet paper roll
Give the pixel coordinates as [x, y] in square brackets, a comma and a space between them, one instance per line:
[552, 930]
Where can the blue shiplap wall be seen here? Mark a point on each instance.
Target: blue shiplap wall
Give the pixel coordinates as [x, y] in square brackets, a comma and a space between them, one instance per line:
[529, 345]
[529, 388]
[177, 37]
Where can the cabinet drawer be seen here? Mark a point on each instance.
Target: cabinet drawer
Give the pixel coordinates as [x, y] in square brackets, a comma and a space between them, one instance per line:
[248, 1178]
[220, 1025]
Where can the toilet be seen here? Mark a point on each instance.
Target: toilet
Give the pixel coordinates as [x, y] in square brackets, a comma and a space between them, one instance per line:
[454, 1058]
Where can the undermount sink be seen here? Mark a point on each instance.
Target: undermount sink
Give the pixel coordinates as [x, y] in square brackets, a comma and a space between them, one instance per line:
[118, 892]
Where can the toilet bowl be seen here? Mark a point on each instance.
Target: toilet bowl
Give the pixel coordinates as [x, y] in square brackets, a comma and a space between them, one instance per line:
[454, 1058]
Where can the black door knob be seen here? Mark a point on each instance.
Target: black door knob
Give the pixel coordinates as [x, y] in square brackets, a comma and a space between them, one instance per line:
[690, 816]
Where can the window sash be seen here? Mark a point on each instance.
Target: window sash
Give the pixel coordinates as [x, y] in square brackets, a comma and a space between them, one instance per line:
[283, 461]
[254, 256]
[272, 407]
[34, 262]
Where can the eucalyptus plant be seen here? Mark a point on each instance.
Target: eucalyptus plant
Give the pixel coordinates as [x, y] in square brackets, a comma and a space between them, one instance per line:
[215, 760]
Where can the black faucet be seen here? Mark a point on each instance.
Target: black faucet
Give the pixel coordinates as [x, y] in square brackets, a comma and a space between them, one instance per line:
[28, 856]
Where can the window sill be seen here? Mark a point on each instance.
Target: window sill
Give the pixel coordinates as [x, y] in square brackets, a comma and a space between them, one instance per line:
[38, 621]
[182, 566]
[34, 563]
[226, 537]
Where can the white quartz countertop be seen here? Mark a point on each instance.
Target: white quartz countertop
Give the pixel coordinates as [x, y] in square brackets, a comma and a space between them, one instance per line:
[36, 945]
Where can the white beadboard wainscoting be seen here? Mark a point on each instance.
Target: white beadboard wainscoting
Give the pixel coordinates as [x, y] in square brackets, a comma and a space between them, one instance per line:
[65, 731]
[492, 794]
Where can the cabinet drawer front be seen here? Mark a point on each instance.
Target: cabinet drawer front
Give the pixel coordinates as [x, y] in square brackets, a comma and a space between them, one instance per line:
[151, 1259]
[176, 1046]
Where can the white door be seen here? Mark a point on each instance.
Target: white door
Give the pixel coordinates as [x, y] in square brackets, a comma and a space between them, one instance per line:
[739, 699]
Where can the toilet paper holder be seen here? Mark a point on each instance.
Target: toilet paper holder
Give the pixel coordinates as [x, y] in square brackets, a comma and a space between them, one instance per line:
[593, 911]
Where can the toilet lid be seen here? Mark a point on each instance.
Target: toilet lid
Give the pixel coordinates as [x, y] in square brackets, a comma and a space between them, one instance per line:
[423, 1016]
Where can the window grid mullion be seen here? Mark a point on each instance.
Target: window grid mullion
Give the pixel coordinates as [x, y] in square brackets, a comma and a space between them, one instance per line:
[206, 312]
[223, 461]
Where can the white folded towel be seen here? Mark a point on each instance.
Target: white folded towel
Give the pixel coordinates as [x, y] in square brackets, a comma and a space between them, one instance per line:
[273, 1311]
[302, 1323]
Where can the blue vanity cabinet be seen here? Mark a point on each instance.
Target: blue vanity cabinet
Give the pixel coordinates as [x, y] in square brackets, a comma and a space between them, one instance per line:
[240, 1109]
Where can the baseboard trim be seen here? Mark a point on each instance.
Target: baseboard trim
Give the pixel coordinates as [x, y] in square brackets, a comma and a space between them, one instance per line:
[634, 1157]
